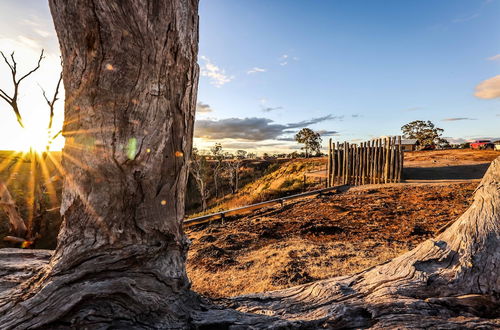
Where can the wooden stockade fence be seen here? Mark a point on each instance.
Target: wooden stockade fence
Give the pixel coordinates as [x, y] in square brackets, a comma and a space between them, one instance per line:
[375, 161]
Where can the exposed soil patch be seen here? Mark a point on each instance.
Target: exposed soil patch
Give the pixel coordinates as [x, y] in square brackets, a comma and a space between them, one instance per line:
[319, 237]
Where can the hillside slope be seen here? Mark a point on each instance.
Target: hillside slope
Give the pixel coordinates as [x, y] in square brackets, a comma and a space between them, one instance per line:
[282, 179]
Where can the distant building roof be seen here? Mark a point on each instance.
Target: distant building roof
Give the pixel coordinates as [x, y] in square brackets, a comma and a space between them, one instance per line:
[409, 141]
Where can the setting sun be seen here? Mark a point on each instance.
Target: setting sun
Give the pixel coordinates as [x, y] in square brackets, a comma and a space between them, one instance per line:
[34, 138]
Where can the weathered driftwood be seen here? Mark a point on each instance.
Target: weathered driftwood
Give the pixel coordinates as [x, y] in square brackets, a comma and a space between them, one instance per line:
[18, 265]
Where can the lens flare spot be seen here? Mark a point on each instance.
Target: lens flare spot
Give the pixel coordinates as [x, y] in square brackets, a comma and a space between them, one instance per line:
[148, 150]
[163, 202]
[131, 148]
[26, 244]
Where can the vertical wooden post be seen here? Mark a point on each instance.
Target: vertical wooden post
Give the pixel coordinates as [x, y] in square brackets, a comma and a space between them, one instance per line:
[372, 161]
[391, 159]
[339, 164]
[353, 164]
[367, 159]
[329, 164]
[353, 160]
[360, 165]
[346, 158]
[371, 155]
[333, 169]
[386, 159]
[398, 168]
[396, 160]
[344, 162]
[361, 162]
[377, 161]
[400, 159]
[369, 162]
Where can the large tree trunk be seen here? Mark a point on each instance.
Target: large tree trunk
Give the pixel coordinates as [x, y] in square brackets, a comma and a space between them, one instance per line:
[130, 76]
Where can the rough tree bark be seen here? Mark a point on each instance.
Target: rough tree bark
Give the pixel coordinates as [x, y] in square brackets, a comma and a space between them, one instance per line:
[130, 76]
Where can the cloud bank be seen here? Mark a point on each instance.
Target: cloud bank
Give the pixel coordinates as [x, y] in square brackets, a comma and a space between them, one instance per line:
[203, 107]
[251, 129]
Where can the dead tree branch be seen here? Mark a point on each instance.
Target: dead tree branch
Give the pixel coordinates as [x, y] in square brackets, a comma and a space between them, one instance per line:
[16, 82]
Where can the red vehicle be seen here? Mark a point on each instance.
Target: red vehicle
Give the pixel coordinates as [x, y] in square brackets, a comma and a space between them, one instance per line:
[482, 144]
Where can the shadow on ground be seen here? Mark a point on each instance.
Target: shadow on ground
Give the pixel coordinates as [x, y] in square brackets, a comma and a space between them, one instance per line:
[458, 172]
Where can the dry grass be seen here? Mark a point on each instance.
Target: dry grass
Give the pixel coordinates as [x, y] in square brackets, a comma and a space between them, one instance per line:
[287, 263]
[281, 179]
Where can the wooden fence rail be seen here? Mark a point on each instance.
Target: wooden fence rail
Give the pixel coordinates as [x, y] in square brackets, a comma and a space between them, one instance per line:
[375, 161]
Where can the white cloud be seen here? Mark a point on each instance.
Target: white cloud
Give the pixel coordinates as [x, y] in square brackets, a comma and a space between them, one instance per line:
[494, 58]
[255, 70]
[216, 75]
[285, 59]
[489, 89]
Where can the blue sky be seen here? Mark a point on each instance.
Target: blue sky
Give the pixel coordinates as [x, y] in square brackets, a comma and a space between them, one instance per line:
[352, 70]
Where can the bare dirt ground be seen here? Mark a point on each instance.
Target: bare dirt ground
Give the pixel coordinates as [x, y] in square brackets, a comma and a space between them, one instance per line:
[316, 238]
[461, 164]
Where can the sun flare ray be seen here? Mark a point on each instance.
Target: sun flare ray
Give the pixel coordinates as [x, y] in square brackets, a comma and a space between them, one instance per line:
[49, 184]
